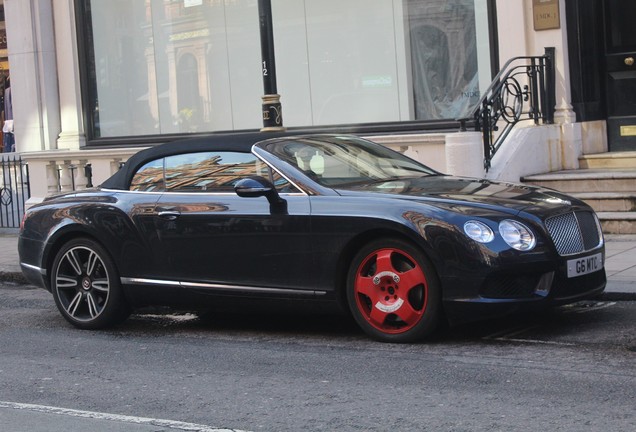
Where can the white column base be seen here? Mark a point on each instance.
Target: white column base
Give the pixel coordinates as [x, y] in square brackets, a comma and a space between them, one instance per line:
[464, 154]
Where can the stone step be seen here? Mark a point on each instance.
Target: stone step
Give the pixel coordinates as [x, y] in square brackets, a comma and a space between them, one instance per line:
[610, 191]
[609, 160]
[609, 201]
[587, 180]
[618, 222]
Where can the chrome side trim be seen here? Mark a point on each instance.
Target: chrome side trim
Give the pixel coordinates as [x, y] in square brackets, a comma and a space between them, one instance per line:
[118, 191]
[245, 288]
[35, 268]
[142, 281]
[218, 287]
[229, 194]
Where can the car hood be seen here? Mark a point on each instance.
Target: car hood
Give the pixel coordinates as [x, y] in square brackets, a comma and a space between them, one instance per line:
[468, 191]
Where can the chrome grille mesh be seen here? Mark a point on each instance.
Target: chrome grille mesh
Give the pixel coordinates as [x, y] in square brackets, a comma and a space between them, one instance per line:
[589, 229]
[574, 232]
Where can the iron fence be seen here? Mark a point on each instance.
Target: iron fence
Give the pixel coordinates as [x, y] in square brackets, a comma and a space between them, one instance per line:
[15, 190]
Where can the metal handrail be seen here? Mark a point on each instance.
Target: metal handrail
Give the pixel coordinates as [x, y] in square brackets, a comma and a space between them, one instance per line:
[507, 100]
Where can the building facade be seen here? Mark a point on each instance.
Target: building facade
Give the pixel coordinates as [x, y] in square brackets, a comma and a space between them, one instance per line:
[92, 80]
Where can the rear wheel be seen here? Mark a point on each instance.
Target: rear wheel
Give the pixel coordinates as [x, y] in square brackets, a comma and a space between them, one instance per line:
[393, 292]
[85, 286]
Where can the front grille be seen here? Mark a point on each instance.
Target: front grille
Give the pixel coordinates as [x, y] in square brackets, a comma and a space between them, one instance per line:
[574, 232]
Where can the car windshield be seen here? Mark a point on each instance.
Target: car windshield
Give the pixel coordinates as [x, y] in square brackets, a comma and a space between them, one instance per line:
[336, 161]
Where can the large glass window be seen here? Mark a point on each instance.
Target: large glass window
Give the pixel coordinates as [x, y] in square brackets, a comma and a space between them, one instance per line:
[186, 66]
[445, 56]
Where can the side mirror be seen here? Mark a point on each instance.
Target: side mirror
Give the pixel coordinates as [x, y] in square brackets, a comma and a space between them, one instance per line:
[256, 186]
[252, 187]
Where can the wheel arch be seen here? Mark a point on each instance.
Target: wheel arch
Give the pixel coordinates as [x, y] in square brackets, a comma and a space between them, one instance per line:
[59, 239]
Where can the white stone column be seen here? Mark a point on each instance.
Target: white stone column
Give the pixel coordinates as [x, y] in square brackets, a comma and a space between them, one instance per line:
[52, 180]
[517, 37]
[464, 154]
[557, 38]
[32, 59]
[65, 175]
[72, 135]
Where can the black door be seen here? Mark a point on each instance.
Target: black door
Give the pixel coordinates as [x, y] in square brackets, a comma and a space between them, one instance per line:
[227, 241]
[620, 62]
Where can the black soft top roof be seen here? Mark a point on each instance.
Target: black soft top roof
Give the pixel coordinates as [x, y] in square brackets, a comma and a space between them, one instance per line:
[230, 142]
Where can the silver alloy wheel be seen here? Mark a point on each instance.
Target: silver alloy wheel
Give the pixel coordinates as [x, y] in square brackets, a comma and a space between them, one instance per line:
[82, 283]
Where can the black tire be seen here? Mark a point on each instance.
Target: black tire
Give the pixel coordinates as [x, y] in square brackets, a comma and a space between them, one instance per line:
[393, 291]
[86, 287]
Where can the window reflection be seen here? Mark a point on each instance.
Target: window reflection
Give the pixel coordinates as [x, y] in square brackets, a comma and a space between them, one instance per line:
[149, 178]
[444, 57]
[203, 172]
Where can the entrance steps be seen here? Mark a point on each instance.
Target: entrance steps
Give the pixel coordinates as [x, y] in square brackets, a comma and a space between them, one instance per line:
[607, 182]
[608, 160]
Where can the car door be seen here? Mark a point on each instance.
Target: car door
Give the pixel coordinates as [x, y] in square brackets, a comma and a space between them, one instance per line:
[140, 257]
[211, 236]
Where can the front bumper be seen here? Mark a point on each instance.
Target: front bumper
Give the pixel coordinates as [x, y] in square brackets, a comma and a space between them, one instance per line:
[521, 287]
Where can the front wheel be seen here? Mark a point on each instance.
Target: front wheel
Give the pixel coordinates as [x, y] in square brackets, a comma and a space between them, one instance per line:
[393, 292]
[85, 286]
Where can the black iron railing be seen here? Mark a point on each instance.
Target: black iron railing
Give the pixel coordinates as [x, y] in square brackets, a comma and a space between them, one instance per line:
[523, 90]
[15, 190]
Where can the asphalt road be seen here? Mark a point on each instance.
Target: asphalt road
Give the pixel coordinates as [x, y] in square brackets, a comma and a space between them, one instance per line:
[570, 370]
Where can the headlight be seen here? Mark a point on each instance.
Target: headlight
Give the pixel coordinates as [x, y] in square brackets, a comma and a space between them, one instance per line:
[517, 235]
[478, 231]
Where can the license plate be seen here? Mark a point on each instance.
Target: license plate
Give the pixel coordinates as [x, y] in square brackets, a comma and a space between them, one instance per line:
[585, 265]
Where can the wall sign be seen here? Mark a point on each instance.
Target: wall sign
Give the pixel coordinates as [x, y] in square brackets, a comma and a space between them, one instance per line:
[628, 130]
[546, 14]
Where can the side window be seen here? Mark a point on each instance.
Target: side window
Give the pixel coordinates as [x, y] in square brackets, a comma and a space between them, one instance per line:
[209, 171]
[281, 183]
[204, 172]
[149, 178]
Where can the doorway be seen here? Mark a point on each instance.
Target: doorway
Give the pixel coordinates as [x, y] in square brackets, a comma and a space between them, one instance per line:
[620, 73]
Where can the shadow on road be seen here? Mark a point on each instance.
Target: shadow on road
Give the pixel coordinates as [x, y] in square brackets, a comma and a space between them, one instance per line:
[581, 322]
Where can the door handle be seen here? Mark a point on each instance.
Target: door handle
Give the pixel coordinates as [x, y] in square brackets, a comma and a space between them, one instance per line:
[629, 61]
[169, 214]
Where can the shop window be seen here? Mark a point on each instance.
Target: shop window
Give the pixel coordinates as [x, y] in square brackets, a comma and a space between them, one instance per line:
[444, 57]
[157, 67]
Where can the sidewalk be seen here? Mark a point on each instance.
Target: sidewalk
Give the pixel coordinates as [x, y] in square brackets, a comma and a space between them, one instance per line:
[620, 264]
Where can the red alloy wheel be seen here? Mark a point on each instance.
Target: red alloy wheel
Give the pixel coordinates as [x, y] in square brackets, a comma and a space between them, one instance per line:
[391, 290]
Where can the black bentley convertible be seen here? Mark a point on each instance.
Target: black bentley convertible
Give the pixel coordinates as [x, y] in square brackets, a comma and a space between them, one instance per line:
[327, 220]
